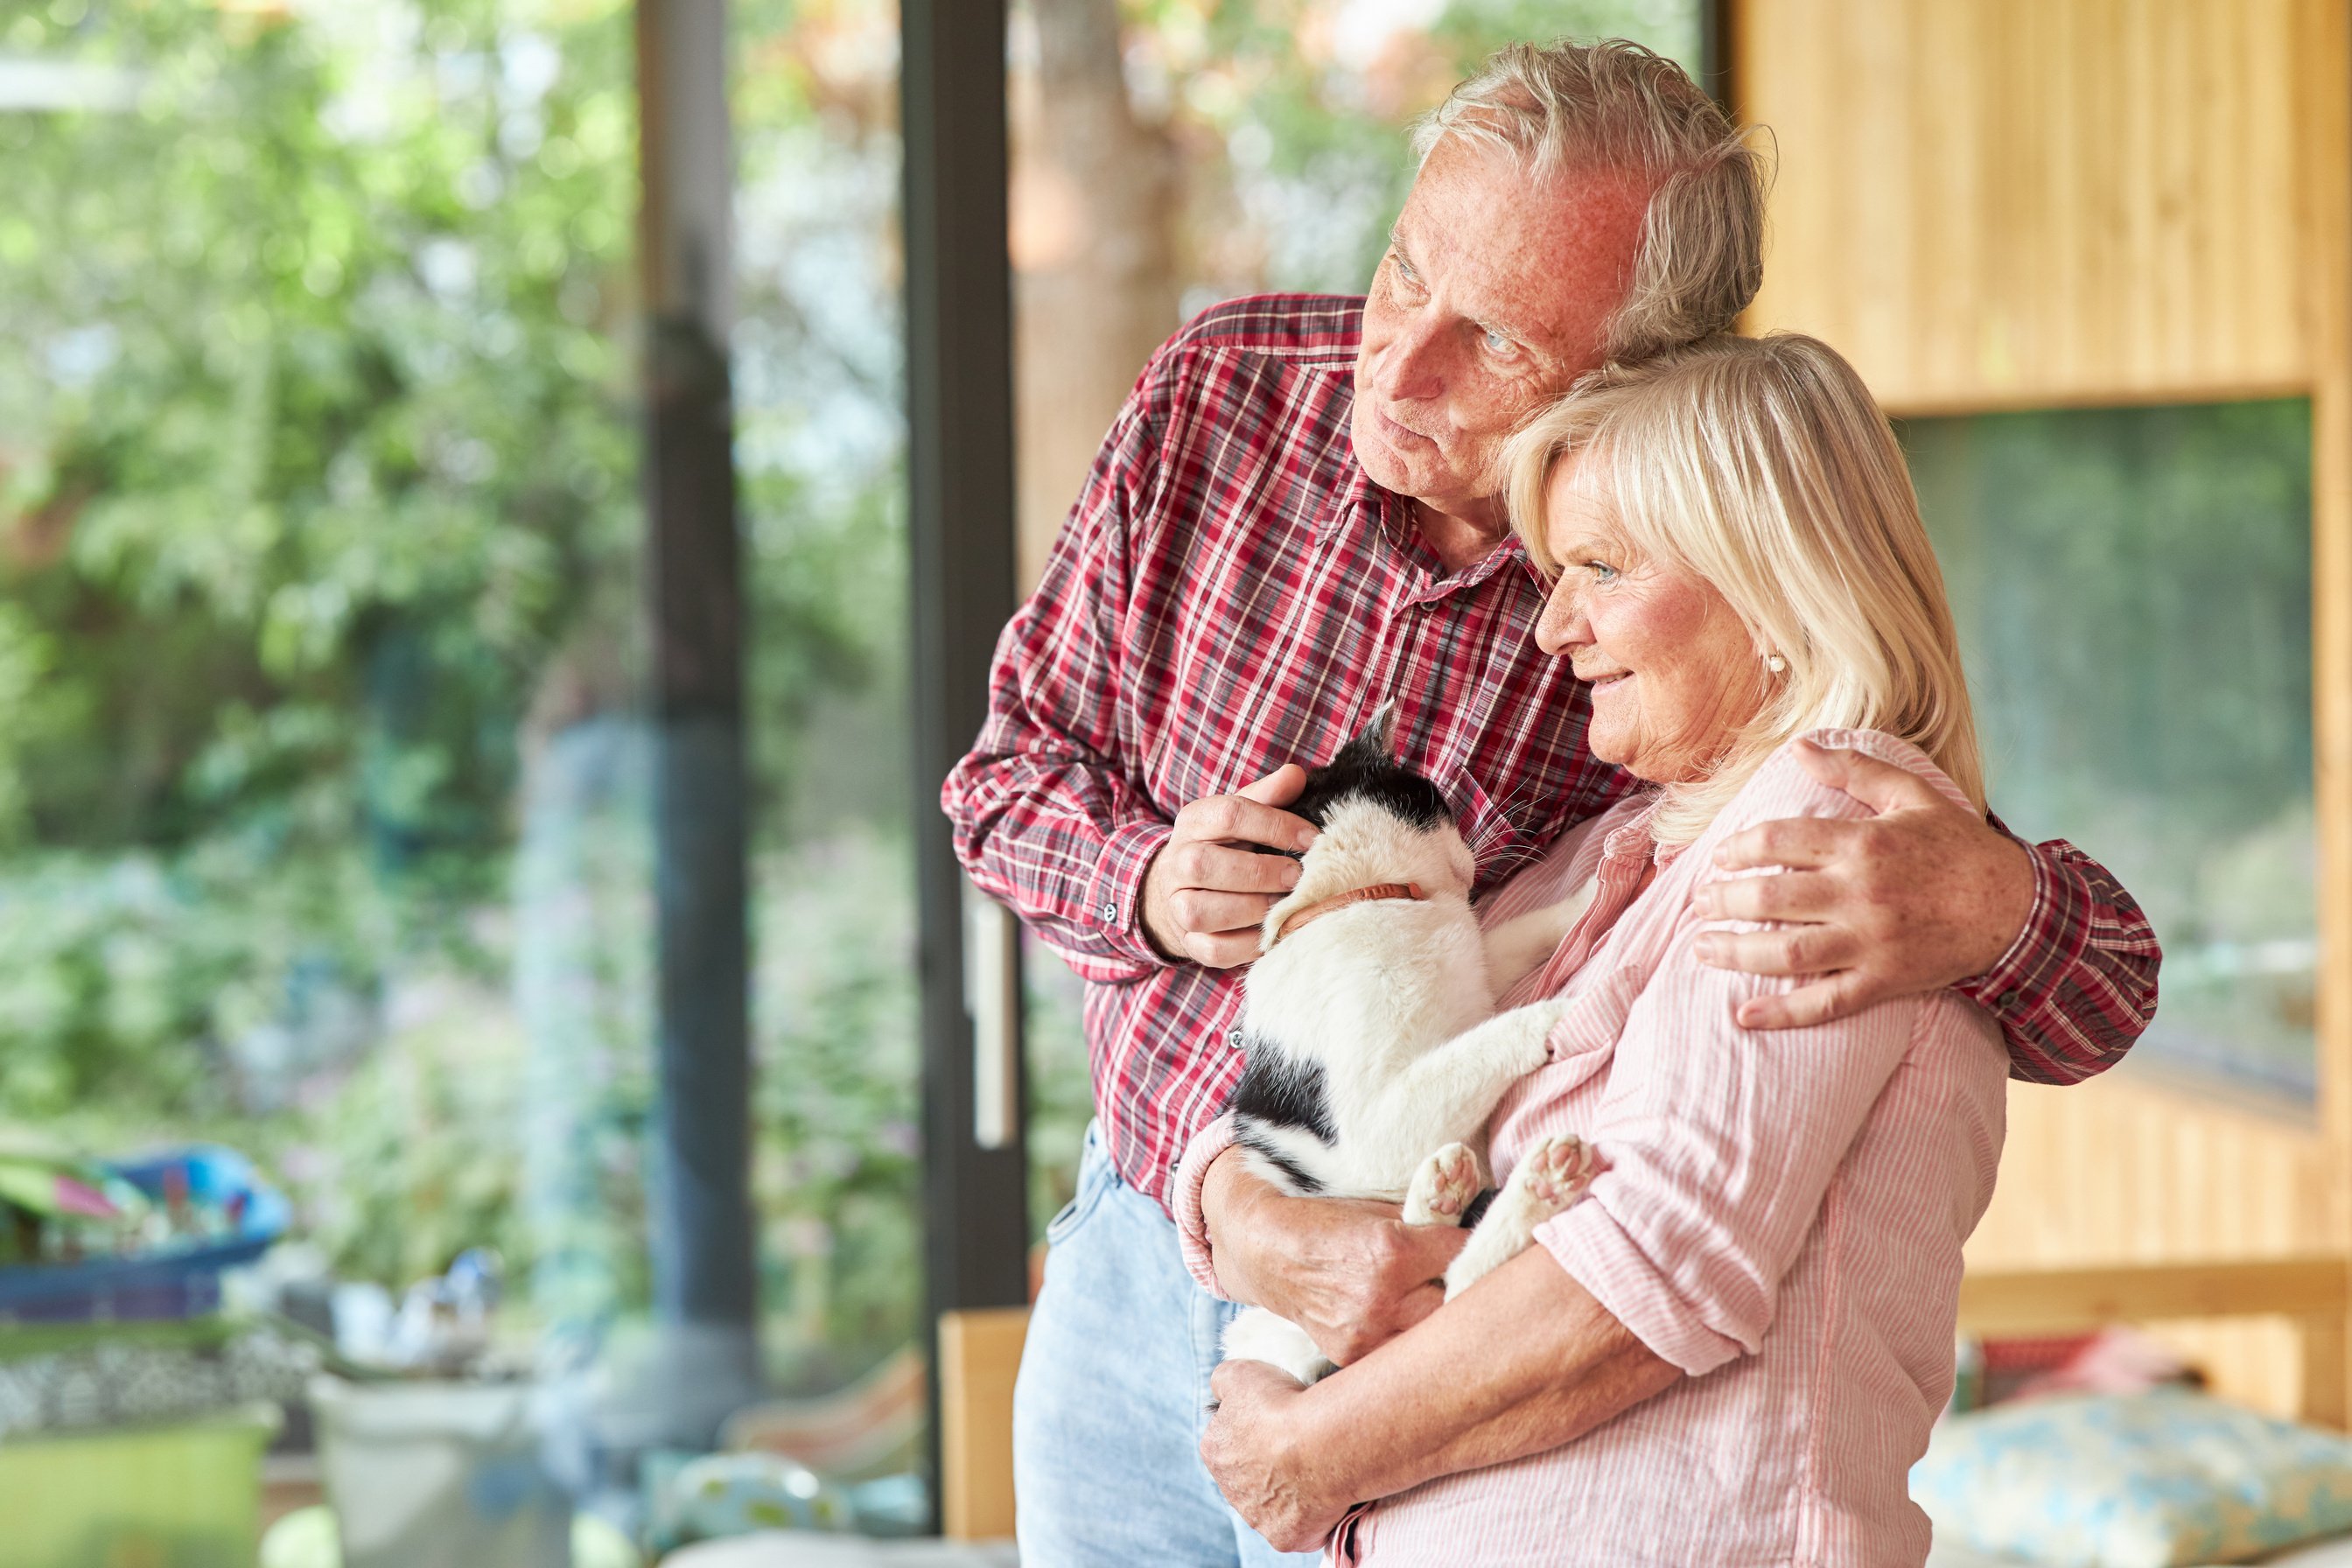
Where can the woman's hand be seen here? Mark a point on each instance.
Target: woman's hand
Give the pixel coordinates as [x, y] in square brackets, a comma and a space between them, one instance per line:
[1551, 1365]
[1253, 1451]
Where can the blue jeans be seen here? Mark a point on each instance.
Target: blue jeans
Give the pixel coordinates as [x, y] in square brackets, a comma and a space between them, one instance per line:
[1114, 1393]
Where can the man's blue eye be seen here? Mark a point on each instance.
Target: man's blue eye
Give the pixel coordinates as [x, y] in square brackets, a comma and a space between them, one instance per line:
[1496, 342]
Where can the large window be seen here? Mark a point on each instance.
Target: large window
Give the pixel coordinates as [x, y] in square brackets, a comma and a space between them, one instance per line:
[2133, 587]
[324, 763]
[317, 484]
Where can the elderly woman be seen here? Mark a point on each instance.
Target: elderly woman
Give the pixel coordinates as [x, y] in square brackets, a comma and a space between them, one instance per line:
[1730, 1352]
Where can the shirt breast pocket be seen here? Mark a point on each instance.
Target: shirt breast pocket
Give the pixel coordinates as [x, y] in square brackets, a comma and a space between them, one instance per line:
[1497, 842]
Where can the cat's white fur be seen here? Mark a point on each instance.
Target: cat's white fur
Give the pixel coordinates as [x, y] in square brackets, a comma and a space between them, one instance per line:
[1395, 1000]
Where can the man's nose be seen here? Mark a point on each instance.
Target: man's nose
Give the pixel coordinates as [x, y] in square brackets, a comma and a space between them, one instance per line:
[1411, 365]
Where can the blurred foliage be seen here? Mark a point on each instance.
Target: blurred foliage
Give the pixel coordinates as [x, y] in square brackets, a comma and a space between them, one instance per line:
[837, 1157]
[1288, 115]
[316, 518]
[320, 455]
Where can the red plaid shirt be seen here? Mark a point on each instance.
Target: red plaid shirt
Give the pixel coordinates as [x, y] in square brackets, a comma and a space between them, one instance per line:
[1232, 593]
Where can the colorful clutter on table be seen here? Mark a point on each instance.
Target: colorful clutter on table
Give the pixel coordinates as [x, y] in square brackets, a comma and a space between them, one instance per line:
[66, 1377]
[175, 1221]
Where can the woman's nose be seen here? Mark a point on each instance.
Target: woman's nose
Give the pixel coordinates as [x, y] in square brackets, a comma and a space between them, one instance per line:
[1560, 630]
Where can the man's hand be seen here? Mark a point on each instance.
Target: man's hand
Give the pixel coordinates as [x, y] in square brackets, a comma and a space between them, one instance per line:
[1206, 893]
[1349, 1272]
[1923, 894]
[1252, 1452]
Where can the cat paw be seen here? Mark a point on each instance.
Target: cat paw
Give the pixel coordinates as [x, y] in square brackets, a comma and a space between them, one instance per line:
[1554, 1170]
[1444, 1186]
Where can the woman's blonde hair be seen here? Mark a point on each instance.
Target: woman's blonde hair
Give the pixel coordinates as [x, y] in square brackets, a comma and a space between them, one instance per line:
[1762, 466]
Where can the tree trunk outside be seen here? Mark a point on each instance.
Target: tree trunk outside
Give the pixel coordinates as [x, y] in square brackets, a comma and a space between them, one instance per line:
[1095, 288]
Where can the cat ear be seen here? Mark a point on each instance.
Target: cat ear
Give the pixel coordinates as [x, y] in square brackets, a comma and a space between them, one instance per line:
[1376, 741]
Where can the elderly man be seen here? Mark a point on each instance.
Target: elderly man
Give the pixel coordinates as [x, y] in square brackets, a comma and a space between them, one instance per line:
[1294, 519]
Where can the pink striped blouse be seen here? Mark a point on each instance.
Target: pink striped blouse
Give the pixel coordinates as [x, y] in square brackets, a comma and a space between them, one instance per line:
[1782, 1219]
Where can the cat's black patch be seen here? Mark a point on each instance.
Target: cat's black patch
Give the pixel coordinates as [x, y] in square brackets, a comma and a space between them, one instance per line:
[1366, 769]
[1478, 1207]
[1301, 1179]
[1282, 1092]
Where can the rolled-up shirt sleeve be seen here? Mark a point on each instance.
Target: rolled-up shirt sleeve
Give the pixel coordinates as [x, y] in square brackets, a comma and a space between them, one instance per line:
[1184, 1201]
[1720, 1142]
[2079, 983]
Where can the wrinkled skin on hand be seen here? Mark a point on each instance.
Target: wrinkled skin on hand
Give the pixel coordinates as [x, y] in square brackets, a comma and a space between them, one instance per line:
[1349, 1272]
[1251, 1451]
[1915, 899]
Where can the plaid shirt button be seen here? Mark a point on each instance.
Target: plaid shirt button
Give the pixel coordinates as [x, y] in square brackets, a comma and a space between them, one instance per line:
[1110, 912]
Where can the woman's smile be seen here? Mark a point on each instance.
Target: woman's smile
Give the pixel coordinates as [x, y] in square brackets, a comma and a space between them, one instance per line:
[1700, 676]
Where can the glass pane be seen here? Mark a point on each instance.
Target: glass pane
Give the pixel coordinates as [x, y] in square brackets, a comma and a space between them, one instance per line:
[321, 829]
[820, 447]
[1172, 153]
[324, 767]
[2133, 587]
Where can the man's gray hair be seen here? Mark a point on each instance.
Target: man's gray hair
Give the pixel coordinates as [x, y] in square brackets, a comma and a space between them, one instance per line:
[1615, 105]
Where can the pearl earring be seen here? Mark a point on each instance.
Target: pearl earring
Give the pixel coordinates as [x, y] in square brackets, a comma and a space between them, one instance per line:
[1776, 664]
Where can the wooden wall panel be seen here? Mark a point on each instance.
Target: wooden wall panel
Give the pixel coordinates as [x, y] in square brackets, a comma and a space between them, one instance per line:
[980, 1355]
[2135, 1168]
[2001, 203]
[2034, 201]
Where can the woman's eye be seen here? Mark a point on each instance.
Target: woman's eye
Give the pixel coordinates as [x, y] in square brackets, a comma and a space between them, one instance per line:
[1602, 571]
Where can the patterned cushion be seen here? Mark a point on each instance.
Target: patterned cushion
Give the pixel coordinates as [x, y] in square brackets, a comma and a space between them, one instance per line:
[2139, 1480]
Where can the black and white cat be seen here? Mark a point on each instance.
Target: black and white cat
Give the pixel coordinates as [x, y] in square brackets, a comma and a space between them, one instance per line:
[1375, 1054]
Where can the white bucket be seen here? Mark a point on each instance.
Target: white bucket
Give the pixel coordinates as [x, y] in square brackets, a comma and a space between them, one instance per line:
[439, 1475]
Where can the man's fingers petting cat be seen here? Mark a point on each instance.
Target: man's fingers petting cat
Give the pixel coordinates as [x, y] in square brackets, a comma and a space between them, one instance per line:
[1279, 787]
[1222, 868]
[1224, 950]
[1211, 911]
[1237, 819]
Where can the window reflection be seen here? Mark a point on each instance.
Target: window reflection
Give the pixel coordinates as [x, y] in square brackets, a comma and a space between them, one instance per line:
[324, 780]
[2133, 587]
